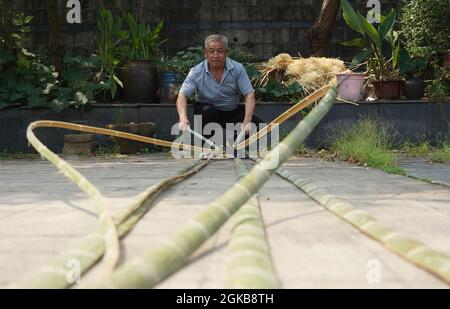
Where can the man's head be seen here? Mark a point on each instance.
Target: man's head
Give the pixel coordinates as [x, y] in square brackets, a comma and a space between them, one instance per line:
[216, 50]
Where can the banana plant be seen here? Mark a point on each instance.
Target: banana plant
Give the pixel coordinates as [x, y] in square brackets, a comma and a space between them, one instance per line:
[373, 41]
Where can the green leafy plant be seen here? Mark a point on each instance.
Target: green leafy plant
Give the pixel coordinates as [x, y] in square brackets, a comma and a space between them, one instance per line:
[374, 42]
[424, 25]
[143, 41]
[276, 91]
[439, 88]
[109, 38]
[76, 85]
[189, 58]
[23, 76]
[411, 66]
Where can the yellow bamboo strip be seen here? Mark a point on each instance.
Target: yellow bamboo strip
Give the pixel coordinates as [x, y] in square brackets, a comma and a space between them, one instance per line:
[90, 129]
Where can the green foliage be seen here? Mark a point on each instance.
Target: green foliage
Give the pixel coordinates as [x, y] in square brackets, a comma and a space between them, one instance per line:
[26, 79]
[380, 46]
[439, 153]
[188, 59]
[275, 91]
[440, 86]
[23, 76]
[76, 86]
[367, 143]
[411, 66]
[7, 155]
[109, 38]
[107, 151]
[426, 35]
[424, 25]
[142, 39]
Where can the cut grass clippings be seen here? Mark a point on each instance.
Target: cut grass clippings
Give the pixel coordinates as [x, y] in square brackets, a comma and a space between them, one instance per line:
[367, 143]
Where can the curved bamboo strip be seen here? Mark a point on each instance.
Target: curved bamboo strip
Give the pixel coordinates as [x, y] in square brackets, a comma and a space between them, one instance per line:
[158, 264]
[90, 248]
[83, 128]
[249, 264]
[413, 251]
[108, 229]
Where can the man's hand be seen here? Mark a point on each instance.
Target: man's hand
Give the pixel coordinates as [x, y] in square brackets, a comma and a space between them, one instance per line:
[184, 124]
[182, 112]
[246, 126]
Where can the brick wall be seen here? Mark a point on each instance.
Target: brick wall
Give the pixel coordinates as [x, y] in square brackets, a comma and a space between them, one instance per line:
[264, 27]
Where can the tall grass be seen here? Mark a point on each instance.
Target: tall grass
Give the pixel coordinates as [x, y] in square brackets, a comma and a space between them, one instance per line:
[367, 143]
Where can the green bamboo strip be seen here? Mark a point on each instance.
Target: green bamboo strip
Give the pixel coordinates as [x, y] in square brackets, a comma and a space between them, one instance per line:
[157, 264]
[90, 248]
[249, 264]
[107, 225]
[413, 251]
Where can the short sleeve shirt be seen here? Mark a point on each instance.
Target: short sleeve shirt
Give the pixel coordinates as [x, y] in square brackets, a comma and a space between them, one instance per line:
[224, 95]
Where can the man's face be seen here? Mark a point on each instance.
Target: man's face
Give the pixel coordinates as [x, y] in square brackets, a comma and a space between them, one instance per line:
[216, 54]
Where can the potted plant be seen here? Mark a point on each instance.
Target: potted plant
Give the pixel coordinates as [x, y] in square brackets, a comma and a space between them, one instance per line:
[380, 50]
[412, 68]
[170, 78]
[139, 74]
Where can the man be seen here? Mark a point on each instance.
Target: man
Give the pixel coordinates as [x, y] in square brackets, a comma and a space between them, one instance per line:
[217, 82]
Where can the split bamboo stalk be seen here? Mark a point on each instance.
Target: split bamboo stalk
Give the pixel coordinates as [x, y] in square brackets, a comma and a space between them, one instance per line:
[413, 251]
[158, 264]
[249, 263]
[90, 248]
[108, 229]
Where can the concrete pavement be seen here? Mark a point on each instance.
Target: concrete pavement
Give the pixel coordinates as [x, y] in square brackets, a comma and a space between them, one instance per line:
[41, 213]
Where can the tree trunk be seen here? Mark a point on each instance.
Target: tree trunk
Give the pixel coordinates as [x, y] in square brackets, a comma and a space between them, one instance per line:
[54, 33]
[319, 35]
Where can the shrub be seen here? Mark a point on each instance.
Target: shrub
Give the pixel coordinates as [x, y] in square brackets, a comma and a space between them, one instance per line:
[424, 26]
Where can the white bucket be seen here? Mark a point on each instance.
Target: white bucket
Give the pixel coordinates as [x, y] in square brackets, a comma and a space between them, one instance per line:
[351, 86]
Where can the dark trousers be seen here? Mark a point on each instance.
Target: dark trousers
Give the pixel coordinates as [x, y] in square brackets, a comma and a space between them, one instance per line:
[211, 114]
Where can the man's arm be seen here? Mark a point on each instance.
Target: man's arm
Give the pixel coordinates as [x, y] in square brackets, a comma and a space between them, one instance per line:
[249, 110]
[182, 111]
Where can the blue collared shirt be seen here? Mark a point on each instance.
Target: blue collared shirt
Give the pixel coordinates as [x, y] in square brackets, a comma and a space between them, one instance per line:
[224, 95]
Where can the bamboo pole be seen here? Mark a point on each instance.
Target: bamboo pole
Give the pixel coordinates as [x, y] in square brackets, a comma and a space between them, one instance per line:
[411, 250]
[158, 264]
[249, 263]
